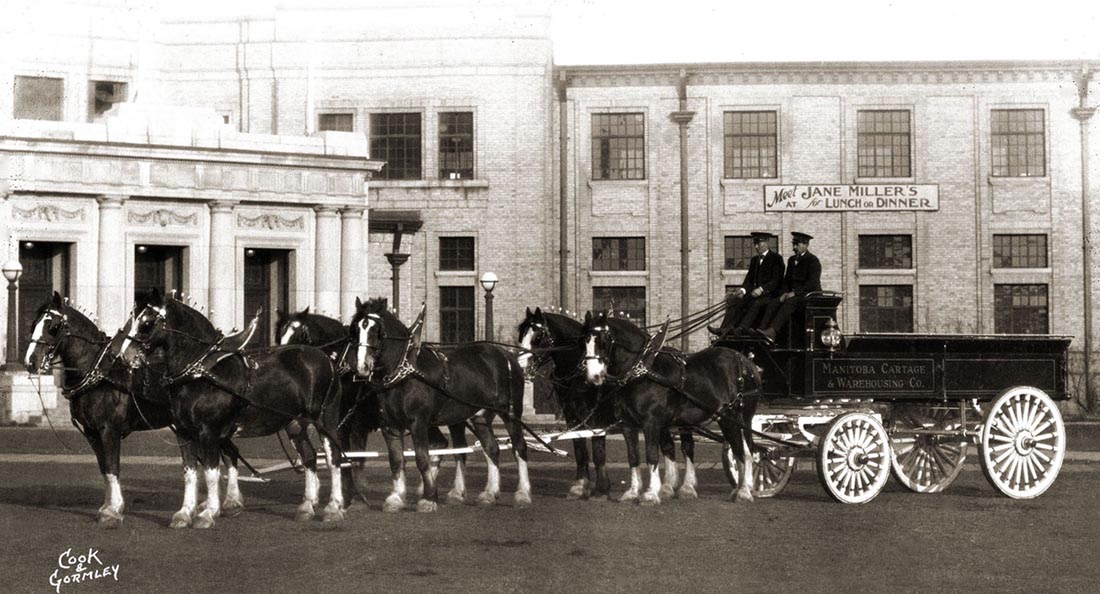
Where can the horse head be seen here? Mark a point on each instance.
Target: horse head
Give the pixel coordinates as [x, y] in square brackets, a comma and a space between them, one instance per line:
[380, 339]
[612, 346]
[169, 324]
[56, 322]
[293, 327]
[534, 333]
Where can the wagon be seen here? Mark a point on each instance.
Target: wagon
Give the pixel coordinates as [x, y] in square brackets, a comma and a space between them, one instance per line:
[868, 405]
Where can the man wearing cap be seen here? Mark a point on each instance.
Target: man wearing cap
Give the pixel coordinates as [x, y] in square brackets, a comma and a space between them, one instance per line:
[761, 282]
[803, 276]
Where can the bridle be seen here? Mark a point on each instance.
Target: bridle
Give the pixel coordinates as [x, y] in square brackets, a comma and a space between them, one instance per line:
[404, 368]
[63, 332]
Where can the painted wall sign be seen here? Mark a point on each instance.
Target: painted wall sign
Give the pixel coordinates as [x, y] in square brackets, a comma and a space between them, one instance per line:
[874, 375]
[840, 197]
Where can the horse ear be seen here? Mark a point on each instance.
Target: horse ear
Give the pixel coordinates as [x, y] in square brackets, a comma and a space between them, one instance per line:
[56, 299]
[305, 311]
[358, 302]
[529, 310]
[587, 316]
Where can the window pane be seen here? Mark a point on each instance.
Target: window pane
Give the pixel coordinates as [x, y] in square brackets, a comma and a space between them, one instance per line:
[886, 251]
[750, 140]
[38, 98]
[456, 314]
[629, 300]
[1020, 309]
[456, 253]
[883, 143]
[336, 122]
[1018, 142]
[456, 145]
[886, 308]
[618, 253]
[739, 251]
[1020, 251]
[395, 139]
[618, 146]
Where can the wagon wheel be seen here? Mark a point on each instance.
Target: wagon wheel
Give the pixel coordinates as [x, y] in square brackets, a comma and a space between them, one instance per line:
[769, 473]
[852, 462]
[927, 463]
[1023, 442]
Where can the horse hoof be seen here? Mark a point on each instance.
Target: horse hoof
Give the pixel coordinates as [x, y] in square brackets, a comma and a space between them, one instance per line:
[600, 497]
[486, 499]
[456, 497]
[522, 500]
[577, 494]
[426, 506]
[650, 499]
[204, 521]
[628, 497]
[109, 520]
[180, 520]
[666, 492]
[333, 513]
[232, 509]
[744, 496]
[393, 505]
[687, 492]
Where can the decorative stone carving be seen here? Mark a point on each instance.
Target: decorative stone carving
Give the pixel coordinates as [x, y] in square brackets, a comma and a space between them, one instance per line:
[162, 217]
[270, 221]
[50, 213]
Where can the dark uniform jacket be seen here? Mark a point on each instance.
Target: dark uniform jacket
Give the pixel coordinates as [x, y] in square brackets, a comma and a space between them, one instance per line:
[803, 274]
[767, 276]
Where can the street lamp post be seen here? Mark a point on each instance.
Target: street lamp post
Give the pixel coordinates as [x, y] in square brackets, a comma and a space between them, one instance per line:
[488, 282]
[12, 271]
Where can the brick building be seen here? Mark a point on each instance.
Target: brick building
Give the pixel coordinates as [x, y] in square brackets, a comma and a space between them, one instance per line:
[997, 161]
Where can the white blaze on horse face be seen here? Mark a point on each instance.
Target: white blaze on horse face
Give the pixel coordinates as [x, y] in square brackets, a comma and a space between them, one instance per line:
[124, 351]
[291, 329]
[39, 328]
[363, 364]
[597, 372]
[525, 344]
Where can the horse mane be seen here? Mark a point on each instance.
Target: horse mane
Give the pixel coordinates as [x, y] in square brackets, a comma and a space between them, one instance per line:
[626, 329]
[189, 315]
[83, 317]
[326, 324]
[563, 325]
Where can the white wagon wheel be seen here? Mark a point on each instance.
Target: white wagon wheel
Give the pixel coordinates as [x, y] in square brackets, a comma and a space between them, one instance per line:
[853, 459]
[927, 463]
[769, 474]
[1023, 442]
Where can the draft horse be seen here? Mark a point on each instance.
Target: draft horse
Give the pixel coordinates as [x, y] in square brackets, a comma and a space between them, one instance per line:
[658, 389]
[218, 391]
[549, 337]
[420, 387]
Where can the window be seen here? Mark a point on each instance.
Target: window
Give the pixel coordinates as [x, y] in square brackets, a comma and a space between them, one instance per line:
[102, 95]
[1018, 143]
[629, 300]
[456, 314]
[886, 251]
[456, 253]
[618, 253]
[336, 122]
[456, 145]
[1020, 251]
[750, 141]
[38, 98]
[395, 139]
[618, 146]
[1020, 309]
[884, 143]
[740, 251]
[886, 308]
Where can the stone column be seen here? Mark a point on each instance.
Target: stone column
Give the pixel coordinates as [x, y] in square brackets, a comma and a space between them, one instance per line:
[353, 260]
[326, 271]
[223, 266]
[112, 302]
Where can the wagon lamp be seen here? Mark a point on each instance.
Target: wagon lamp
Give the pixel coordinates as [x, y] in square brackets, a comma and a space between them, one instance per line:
[831, 335]
[489, 282]
[12, 271]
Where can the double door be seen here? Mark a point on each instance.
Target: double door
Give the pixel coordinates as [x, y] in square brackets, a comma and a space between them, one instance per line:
[266, 286]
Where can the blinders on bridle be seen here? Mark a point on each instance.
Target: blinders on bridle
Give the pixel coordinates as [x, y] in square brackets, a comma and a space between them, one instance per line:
[144, 325]
[605, 341]
[382, 335]
[54, 330]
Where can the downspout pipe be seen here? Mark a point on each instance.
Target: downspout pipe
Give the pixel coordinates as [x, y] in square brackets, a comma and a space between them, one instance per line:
[1083, 113]
[563, 190]
[683, 117]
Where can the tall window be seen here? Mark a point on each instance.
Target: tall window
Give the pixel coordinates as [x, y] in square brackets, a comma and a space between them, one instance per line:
[884, 143]
[456, 253]
[336, 122]
[157, 267]
[618, 146]
[1020, 251]
[740, 252]
[1020, 309]
[1018, 143]
[38, 98]
[886, 251]
[629, 300]
[886, 308]
[102, 95]
[618, 253]
[395, 139]
[750, 141]
[456, 145]
[456, 314]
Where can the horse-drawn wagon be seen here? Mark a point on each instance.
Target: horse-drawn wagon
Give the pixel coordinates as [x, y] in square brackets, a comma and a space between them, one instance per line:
[868, 404]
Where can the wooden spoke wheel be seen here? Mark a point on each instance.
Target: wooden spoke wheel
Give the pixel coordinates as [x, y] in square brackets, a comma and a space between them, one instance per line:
[853, 458]
[1023, 443]
[926, 463]
[769, 473]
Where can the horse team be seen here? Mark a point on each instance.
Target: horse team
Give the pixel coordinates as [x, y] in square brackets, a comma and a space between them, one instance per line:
[170, 367]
